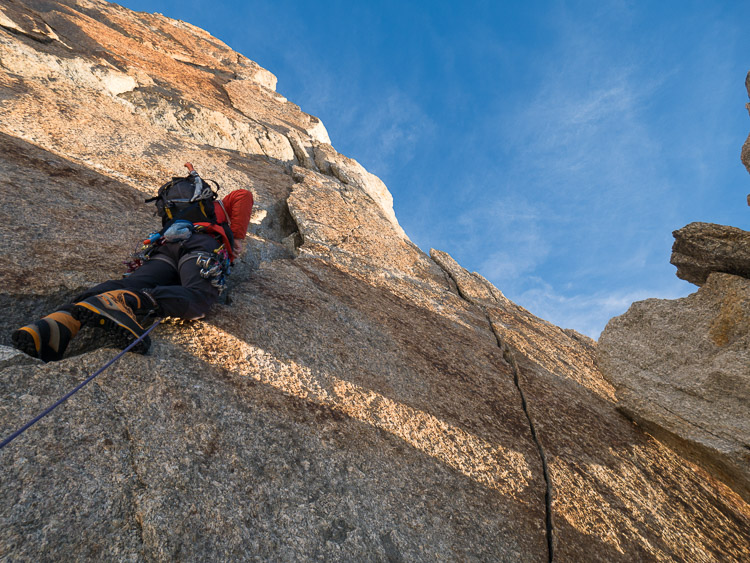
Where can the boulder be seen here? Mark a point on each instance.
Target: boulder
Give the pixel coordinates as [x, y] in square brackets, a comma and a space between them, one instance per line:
[703, 248]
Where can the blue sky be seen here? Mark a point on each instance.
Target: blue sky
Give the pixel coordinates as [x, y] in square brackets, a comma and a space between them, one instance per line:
[551, 146]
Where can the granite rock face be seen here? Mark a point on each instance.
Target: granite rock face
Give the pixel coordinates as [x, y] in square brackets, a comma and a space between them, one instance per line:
[682, 370]
[703, 248]
[356, 399]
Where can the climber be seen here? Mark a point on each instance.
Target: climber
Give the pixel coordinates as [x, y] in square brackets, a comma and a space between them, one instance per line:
[179, 271]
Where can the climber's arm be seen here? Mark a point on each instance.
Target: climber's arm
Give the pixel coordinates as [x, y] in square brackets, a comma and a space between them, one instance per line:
[239, 207]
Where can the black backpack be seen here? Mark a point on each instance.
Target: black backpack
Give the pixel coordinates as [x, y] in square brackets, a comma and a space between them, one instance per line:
[189, 198]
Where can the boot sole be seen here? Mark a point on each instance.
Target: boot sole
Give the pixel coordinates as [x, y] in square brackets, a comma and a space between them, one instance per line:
[24, 342]
[122, 336]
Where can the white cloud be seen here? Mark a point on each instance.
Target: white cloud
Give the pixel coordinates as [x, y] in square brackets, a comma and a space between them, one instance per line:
[584, 141]
[589, 314]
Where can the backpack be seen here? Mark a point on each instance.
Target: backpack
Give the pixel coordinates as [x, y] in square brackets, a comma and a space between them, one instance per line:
[188, 198]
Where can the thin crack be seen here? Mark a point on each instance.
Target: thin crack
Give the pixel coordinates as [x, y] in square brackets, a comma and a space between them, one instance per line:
[508, 357]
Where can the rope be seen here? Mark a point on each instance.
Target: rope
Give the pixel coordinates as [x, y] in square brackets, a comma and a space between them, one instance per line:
[31, 423]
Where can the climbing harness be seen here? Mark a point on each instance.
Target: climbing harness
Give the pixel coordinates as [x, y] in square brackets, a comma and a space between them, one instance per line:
[214, 266]
[77, 388]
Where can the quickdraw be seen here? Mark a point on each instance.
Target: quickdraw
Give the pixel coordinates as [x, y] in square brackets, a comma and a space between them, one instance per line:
[215, 267]
[143, 253]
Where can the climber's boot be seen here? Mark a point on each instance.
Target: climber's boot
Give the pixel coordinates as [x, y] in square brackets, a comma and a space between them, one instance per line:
[48, 337]
[114, 311]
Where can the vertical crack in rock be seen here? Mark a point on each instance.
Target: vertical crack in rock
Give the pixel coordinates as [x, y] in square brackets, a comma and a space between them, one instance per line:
[293, 237]
[303, 153]
[275, 236]
[510, 359]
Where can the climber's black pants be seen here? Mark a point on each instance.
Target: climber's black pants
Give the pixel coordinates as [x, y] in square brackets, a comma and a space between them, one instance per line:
[172, 278]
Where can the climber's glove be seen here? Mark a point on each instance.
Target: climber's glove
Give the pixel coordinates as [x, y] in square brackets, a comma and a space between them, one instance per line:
[179, 230]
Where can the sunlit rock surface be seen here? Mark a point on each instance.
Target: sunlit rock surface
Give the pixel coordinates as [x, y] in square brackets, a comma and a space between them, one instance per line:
[356, 399]
[681, 368]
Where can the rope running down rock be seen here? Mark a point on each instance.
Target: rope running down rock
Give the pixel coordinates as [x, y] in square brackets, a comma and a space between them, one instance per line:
[76, 389]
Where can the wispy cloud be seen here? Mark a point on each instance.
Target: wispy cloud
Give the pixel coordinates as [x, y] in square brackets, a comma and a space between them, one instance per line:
[387, 129]
[510, 230]
[583, 184]
[589, 314]
[582, 140]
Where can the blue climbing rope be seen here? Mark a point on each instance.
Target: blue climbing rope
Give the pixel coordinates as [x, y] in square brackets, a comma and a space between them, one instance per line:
[31, 423]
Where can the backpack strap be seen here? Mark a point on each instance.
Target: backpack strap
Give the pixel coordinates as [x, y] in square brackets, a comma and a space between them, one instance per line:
[226, 215]
[200, 203]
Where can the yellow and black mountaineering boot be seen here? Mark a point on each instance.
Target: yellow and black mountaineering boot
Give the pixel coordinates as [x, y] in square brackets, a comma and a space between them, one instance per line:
[114, 311]
[48, 337]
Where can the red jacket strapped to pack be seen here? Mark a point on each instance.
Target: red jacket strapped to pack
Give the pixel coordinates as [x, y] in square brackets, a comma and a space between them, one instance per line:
[238, 206]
